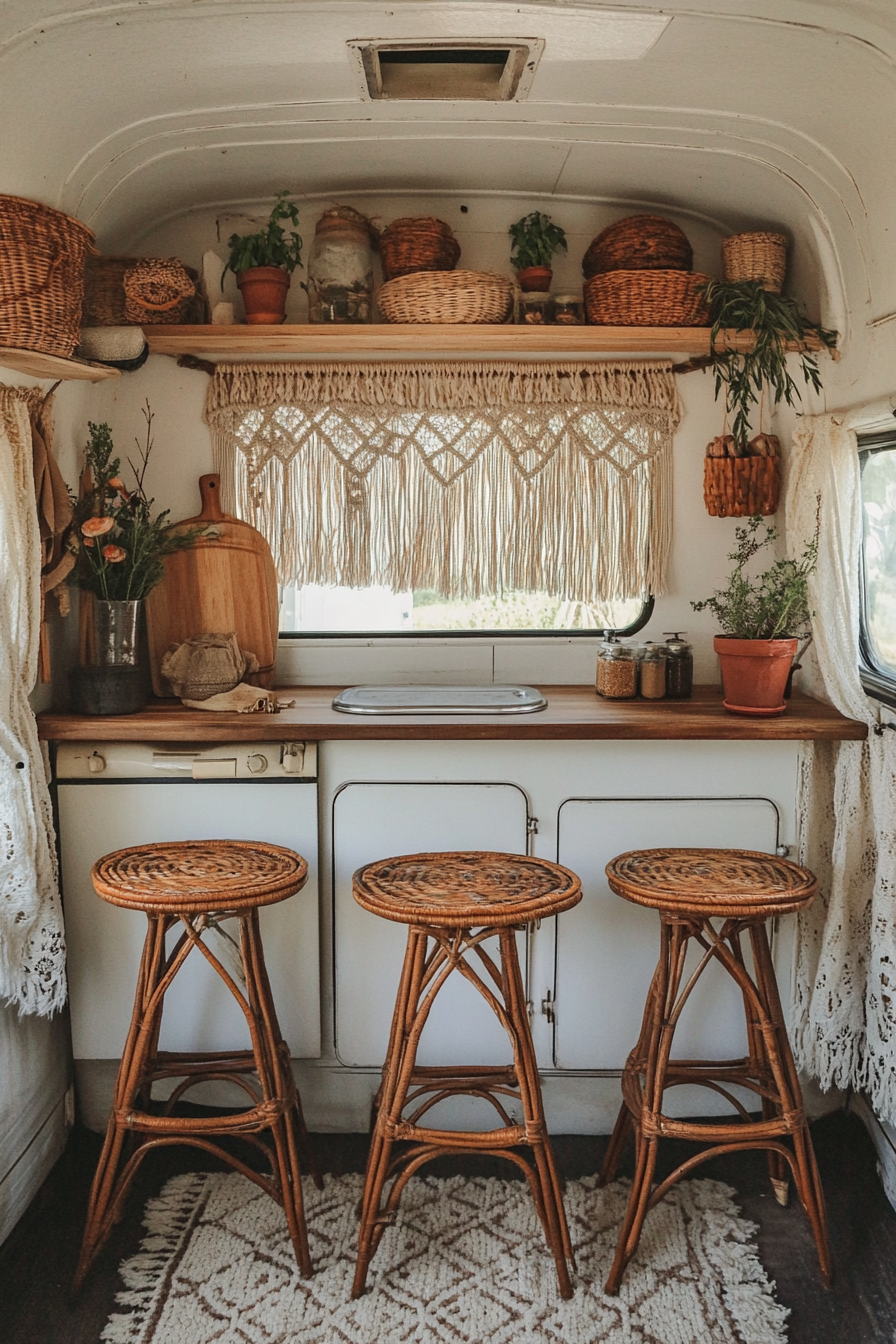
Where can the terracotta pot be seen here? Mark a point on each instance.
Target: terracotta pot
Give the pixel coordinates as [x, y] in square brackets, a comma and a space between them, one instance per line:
[264, 294]
[754, 673]
[534, 278]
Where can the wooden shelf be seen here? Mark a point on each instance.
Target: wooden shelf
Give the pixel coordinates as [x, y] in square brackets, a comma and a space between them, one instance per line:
[247, 343]
[39, 365]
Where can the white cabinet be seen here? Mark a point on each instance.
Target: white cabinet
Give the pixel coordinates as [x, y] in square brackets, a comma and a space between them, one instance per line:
[378, 819]
[607, 948]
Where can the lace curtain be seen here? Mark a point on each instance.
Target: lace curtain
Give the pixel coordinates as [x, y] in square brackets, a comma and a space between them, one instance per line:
[32, 948]
[845, 984]
[462, 477]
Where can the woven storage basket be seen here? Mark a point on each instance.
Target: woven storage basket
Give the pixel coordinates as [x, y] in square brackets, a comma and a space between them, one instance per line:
[738, 487]
[756, 256]
[646, 299]
[105, 301]
[424, 244]
[639, 243]
[42, 254]
[447, 296]
[156, 290]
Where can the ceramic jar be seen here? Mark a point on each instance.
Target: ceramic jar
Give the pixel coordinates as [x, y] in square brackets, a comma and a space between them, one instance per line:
[340, 268]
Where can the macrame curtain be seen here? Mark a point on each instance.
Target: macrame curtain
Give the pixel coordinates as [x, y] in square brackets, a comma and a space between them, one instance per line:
[32, 949]
[845, 983]
[466, 478]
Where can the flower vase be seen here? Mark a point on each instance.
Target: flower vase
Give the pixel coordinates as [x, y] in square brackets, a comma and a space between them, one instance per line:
[117, 682]
[116, 632]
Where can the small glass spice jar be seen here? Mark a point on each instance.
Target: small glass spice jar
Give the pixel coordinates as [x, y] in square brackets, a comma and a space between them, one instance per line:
[617, 670]
[566, 310]
[679, 666]
[653, 671]
[534, 307]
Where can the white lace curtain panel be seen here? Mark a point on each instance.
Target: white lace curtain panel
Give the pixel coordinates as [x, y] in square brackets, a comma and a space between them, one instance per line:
[467, 478]
[845, 981]
[32, 947]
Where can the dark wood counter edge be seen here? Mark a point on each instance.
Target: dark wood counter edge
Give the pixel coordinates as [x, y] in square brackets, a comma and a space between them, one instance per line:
[574, 713]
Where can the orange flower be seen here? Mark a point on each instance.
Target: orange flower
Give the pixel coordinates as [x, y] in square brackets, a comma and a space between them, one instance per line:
[96, 527]
[114, 554]
[118, 484]
[88, 541]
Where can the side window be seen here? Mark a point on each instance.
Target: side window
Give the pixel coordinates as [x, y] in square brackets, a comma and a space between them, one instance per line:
[877, 455]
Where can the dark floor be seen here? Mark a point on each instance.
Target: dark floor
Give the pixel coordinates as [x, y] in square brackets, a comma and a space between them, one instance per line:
[37, 1261]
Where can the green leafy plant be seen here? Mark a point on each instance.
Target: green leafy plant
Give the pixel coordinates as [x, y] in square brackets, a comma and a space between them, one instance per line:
[119, 546]
[535, 240]
[270, 246]
[775, 604]
[776, 321]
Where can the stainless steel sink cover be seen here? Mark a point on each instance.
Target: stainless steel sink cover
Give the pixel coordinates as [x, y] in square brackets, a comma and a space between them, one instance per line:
[440, 700]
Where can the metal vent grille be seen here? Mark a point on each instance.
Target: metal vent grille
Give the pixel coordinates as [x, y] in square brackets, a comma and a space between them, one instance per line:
[488, 70]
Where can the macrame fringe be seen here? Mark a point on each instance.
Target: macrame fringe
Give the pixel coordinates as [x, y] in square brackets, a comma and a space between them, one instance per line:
[465, 479]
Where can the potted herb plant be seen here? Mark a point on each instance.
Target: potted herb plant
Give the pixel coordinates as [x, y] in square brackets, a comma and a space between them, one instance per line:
[763, 620]
[263, 263]
[776, 323]
[535, 240]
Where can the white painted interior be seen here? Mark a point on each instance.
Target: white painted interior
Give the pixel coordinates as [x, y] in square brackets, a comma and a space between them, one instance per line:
[152, 119]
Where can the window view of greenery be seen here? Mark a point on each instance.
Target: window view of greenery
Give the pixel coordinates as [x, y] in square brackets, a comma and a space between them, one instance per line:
[311, 609]
[879, 506]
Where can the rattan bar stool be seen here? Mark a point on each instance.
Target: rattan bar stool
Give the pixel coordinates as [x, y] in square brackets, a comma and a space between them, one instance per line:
[197, 884]
[690, 888]
[453, 903]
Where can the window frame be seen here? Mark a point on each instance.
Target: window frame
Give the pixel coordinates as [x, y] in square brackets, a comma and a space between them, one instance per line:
[875, 681]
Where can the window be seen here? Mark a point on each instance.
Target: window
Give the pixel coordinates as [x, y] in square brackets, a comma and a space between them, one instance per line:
[877, 455]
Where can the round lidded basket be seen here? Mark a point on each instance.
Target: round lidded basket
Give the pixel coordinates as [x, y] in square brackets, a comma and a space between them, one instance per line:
[639, 243]
[42, 276]
[761, 257]
[647, 299]
[447, 296]
[417, 244]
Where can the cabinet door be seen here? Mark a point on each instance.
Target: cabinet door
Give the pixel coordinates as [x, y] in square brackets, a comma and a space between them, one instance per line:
[105, 941]
[607, 948]
[377, 820]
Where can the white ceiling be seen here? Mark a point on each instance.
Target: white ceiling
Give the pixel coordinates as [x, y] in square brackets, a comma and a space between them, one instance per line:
[743, 112]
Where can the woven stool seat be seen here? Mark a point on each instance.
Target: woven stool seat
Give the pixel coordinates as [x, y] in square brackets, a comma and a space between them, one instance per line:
[191, 886]
[739, 890]
[453, 904]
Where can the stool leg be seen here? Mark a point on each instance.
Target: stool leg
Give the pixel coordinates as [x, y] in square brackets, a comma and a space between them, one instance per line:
[624, 1126]
[277, 1084]
[551, 1199]
[806, 1175]
[397, 1071]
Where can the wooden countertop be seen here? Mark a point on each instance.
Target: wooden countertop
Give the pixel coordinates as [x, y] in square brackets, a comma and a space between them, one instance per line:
[573, 713]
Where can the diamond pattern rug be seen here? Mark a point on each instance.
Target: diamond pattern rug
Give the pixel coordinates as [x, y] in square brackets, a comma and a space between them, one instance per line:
[465, 1263]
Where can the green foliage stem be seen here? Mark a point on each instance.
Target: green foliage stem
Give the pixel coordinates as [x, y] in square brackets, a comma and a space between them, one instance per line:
[270, 246]
[535, 240]
[774, 605]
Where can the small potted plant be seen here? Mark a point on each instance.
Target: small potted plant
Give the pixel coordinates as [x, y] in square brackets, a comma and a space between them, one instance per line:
[263, 263]
[763, 620]
[535, 240]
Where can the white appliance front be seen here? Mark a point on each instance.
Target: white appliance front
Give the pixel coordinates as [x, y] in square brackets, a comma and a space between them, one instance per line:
[100, 814]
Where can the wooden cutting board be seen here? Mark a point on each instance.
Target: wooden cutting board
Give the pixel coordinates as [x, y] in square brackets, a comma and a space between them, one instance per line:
[225, 582]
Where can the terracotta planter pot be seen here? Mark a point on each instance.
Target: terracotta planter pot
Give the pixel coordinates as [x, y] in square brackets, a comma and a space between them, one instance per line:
[754, 673]
[264, 291]
[535, 278]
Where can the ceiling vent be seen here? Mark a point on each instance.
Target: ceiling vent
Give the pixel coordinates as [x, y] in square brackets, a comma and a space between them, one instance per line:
[486, 69]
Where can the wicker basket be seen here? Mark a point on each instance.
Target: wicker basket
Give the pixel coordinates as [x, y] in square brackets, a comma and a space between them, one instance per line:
[42, 254]
[156, 291]
[756, 256]
[647, 299]
[639, 243]
[738, 487]
[447, 296]
[106, 304]
[411, 245]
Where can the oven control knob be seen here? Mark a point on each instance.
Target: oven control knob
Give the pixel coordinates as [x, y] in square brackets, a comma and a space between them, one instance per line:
[256, 764]
[96, 763]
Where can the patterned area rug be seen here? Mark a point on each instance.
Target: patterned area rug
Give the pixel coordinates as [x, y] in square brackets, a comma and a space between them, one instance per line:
[465, 1263]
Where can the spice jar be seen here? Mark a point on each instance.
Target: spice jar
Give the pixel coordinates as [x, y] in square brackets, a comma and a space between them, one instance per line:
[653, 671]
[566, 310]
[340, 267]
[679, 666]
[533, 311]
[617, 671]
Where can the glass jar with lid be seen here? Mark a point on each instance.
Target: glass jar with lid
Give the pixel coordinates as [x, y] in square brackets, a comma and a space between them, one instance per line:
[617, 670]
[566, 309]
[653, 671]
[679, 665]
[340, 267]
